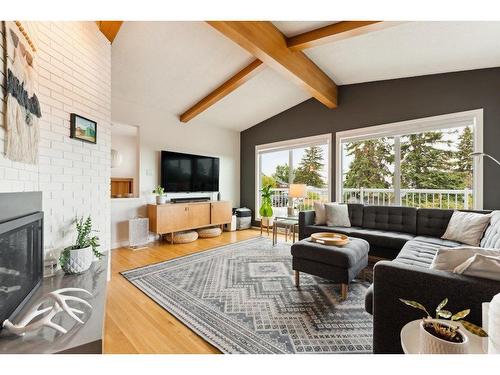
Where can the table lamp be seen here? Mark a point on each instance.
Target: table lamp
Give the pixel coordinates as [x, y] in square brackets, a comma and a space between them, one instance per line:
[295, 191]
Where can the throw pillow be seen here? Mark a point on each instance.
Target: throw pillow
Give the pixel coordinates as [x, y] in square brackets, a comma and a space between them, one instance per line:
[466, 227]
[447, 259]
[470, 261]
[337, 215]
[320, 214]
[486, 267]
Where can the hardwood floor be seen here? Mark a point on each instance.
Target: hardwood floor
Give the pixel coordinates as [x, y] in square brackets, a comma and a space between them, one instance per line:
[135, 323]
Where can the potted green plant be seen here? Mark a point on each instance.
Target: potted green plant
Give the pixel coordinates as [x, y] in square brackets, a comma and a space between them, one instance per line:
[77, 258]
[440, 335]
[161, 198]
[266, 208]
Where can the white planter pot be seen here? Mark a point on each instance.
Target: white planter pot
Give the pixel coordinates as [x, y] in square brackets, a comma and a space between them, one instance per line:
[430, 344]
[267, 221]
[161, 199]
[79, 260]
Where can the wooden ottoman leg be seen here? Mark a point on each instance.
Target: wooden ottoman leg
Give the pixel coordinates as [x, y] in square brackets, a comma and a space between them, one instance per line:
[297, 279]
[345, 288]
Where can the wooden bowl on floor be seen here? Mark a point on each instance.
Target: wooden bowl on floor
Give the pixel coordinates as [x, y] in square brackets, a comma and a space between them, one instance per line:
[330, 239]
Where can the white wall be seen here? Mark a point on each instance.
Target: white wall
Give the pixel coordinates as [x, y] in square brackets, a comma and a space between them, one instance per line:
[127, 144]
[74, 65]
[160, 128]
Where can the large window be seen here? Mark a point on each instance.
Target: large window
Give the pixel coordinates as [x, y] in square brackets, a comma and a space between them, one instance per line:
[298, 161]
[418, 163]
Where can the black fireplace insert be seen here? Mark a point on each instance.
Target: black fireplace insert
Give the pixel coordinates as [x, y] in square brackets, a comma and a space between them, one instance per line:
[21, 256]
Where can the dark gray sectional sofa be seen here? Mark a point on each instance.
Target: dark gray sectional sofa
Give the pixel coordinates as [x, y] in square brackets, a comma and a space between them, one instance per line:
[410, 237]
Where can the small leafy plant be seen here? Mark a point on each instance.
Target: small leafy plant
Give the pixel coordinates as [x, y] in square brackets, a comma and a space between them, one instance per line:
[84, 239]
[449, 333]
[159, 190]
[266, 209]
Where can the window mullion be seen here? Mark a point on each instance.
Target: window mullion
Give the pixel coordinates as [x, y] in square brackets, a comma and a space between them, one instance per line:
[397, 171]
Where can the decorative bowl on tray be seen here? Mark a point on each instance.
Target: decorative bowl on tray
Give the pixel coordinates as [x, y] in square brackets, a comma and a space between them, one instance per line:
[330, 239]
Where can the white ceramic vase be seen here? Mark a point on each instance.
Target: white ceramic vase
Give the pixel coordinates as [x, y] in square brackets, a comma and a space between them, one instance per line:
[79, 260]
[430, 344]
[161, 199]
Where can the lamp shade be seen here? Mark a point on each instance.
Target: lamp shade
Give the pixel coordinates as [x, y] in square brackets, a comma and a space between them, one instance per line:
[297, 191]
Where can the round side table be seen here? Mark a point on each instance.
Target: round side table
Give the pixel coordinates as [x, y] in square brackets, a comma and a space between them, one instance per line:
[410, 339]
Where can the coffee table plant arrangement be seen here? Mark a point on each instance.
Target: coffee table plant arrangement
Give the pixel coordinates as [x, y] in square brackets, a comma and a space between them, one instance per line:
[442, 334]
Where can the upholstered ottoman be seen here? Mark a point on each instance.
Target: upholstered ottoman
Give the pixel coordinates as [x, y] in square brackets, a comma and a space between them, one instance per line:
[340, 264]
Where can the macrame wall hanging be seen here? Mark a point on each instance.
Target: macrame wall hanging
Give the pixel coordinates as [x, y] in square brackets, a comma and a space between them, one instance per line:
[22, 106]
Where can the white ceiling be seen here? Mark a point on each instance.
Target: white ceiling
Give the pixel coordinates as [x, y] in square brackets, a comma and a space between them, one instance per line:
[169, 66]
[410, 49]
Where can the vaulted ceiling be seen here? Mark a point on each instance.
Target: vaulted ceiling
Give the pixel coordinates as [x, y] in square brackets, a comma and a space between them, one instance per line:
[172, 66]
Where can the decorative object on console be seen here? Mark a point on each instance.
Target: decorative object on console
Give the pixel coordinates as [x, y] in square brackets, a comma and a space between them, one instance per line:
[161, 198]
[22, 105]
[442, 337]
[83, 129]
[78, 257]
[116, 158]
[466, 227]
[296, 191]
[59, 304]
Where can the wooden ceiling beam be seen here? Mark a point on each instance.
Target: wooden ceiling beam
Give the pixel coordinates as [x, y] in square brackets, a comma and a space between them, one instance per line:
[223, 90]
[335, 32]
[263, 40]
[109, 28]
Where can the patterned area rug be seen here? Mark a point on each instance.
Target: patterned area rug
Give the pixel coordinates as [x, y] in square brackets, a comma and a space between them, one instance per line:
[242, 299]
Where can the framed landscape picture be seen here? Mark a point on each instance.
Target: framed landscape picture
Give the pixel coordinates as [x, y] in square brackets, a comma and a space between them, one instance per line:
[83, 129]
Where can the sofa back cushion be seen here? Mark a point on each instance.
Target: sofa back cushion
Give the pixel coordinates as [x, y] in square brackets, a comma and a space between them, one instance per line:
[356, 214]
[432, 221]
[390, 218]
[491, 238]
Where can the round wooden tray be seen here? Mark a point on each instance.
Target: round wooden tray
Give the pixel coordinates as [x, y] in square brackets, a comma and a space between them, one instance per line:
[330, 239]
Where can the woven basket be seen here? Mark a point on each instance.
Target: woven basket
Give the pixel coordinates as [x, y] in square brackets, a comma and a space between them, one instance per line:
[209, 232]
[183, 237]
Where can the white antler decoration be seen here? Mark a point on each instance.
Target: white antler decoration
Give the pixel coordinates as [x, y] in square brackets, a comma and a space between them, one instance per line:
[59, 304]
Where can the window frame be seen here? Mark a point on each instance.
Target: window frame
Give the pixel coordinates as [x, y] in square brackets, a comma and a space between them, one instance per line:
[303, 142]
[401, 128]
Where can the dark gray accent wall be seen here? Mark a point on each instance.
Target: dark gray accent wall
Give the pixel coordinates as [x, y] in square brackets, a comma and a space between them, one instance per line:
[382, 102]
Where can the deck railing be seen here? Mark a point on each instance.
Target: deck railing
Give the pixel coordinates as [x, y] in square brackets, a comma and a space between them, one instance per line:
[428, 198]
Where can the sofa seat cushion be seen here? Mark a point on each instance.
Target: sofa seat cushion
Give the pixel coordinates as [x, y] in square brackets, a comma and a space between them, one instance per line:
[345, 257]
[437, 241]
[383, 238]
[419, 253]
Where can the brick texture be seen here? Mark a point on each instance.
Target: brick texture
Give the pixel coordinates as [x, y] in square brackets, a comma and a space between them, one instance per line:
[74, 68]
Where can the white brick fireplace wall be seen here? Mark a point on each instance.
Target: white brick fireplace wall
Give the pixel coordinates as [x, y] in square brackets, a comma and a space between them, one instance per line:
[74, 65]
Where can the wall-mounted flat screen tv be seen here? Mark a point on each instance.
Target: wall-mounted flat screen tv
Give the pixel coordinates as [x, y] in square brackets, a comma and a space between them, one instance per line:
[189, 173]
